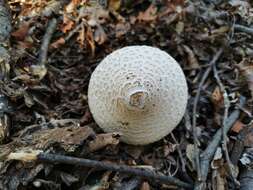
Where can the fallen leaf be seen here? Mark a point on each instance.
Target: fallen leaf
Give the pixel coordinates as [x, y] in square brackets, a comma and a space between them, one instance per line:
[169, 148]
[121, 29]
[38, 71]
[148, 15]
[90, 40]
[71, 7]
[237, 127]
[68, 137]
[68, 179]
[58, 43]
[29, 102]
[114, 4]
[217, 98]
[192, 60]
[86, 118]
[81, 37]
[25, 44]
[180, 27]
[99, 35]
[102, 140]
[145, 186]
[68, 24]
[21, 33]
[218, 181]
[215, 164]
[190, 155]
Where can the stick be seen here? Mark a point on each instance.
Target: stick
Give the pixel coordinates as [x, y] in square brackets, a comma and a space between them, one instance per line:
[46, 40]
[56, 159]
[224, 134]
[196, 142]
[209, 152]
[242, 28]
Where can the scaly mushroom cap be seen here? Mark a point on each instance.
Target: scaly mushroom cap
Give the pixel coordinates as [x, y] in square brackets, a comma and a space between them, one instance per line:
[140, 91]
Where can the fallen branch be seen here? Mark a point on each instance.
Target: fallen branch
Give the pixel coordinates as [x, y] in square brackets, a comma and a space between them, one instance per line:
[242, 28]
[195, 104]
[209, 152]
[46, 40]
[224, 134]
[53, 158]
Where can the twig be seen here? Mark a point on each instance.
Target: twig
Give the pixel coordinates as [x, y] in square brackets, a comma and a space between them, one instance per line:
[53, 158]
[179, 152]
[209, 152]
[195, 104]
[224, 134]
[46, 40]
[75, 30]
[242, 28]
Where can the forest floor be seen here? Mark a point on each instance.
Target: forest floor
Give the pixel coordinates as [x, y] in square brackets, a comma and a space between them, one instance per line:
[48, 51]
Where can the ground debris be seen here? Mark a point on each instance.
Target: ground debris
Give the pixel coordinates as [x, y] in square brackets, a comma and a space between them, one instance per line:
[45, 73]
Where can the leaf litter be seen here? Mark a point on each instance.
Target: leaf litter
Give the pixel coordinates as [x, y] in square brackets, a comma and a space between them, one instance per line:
[49, 110]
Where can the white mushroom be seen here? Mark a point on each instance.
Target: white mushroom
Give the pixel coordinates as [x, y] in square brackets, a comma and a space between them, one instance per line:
[139, 91]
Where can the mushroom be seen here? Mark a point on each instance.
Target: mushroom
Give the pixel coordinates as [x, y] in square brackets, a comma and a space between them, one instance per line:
[139, 91]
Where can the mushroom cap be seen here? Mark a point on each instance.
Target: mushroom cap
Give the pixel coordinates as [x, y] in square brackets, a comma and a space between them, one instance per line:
[139, 91]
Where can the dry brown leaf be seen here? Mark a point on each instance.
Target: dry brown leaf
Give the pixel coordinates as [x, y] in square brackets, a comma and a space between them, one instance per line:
[39, 71]
[237, 127]
[94, 14]
[81, 37]
[148, 15]
[145, 186]
[25, 44]
[68, 24]
[71, 7]
[102, 140]
[218, 182]
[86, 118]
[121, 29]
[90, 41]
[58, 43]
[114, 4]
[192, 60]
[32, 8]
[217, 98]
[68, 137]
[179, 27]
[99, 36]
[21, 33]
[221, 30]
